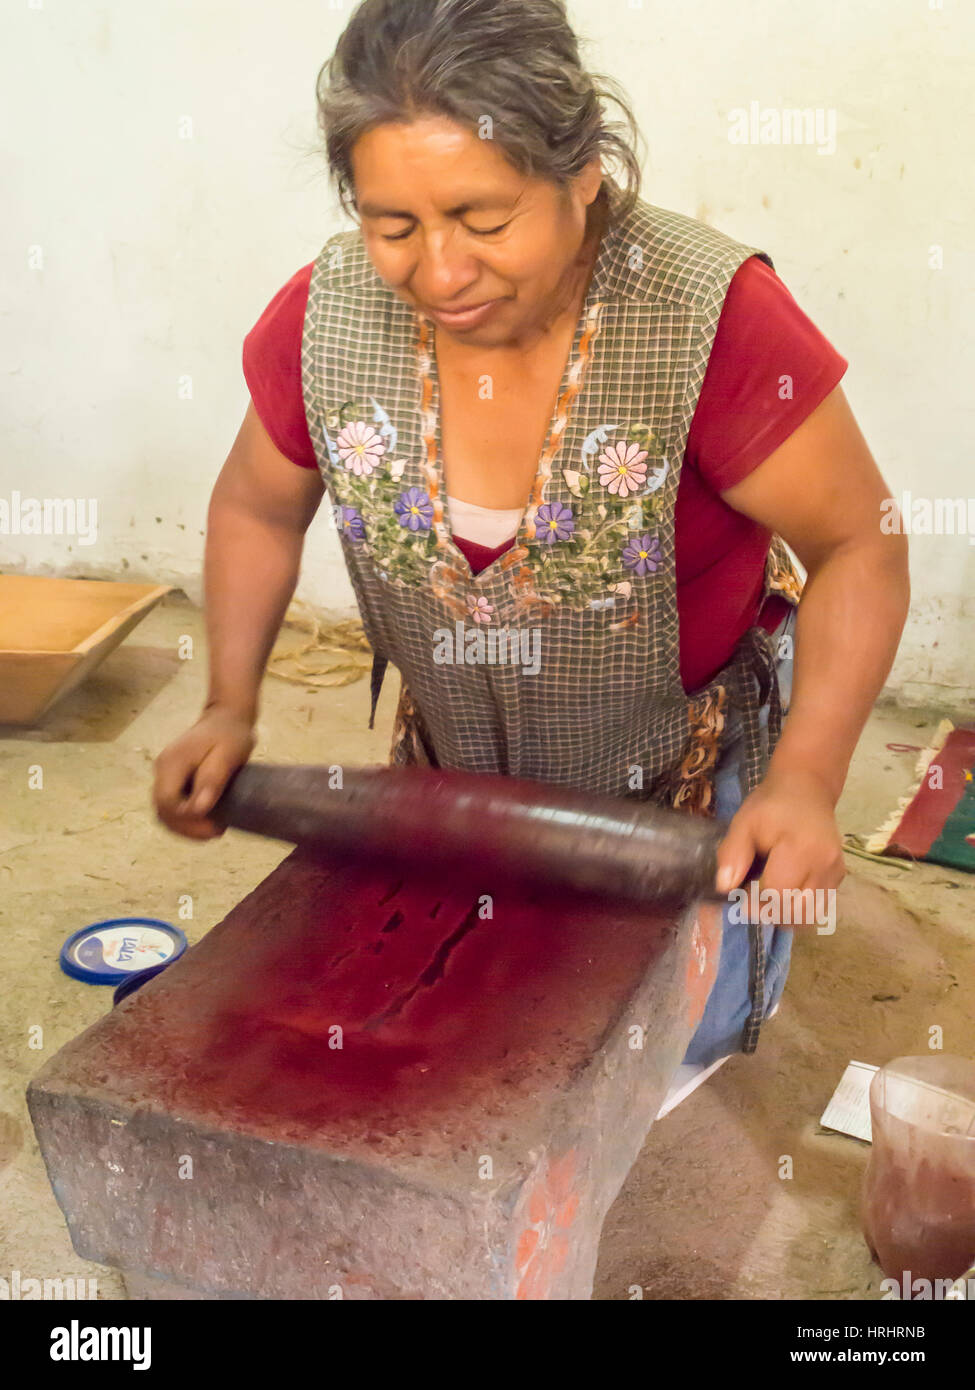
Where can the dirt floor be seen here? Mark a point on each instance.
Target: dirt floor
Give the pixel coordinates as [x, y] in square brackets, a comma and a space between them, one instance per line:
[704, 1212]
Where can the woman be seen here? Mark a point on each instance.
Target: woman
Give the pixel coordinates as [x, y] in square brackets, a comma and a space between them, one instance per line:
[547, 410]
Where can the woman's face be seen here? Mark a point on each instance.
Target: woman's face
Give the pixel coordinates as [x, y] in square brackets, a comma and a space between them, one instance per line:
[450, 224]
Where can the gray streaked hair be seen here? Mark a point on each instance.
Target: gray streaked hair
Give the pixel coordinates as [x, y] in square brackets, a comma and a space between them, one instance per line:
[514, 61]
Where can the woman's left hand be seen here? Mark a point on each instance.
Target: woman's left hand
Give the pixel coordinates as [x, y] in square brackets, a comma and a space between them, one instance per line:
[790, 819]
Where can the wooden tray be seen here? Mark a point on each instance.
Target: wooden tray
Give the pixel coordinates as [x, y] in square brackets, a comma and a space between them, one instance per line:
[53, 632]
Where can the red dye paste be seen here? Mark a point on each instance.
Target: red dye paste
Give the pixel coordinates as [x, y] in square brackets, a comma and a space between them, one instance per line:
[436, 1003]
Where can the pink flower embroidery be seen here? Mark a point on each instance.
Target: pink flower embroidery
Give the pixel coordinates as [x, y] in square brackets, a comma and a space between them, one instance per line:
[480, 609]
[360, 448]
[622, 468]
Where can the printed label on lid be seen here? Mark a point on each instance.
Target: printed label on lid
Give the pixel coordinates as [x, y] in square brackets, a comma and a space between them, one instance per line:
[127, 948]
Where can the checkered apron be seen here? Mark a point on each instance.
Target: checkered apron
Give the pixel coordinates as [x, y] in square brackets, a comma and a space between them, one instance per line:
[560, 661]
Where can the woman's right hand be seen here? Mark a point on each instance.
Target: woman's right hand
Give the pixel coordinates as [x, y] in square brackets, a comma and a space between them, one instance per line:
[193, 771]
[259, 511]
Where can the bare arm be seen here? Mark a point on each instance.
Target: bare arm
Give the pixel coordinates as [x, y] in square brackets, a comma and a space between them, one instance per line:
[260, 509]
[262, 505]
[822, 492]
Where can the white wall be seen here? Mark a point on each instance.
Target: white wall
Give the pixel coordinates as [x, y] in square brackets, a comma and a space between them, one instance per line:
[137, 259]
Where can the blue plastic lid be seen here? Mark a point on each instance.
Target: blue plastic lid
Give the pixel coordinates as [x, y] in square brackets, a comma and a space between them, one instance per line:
[106, 952]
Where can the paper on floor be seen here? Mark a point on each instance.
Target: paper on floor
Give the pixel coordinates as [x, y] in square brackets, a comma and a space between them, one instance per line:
[849, 1107]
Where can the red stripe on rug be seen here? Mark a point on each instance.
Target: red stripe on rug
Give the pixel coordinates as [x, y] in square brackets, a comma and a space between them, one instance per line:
[924, 819]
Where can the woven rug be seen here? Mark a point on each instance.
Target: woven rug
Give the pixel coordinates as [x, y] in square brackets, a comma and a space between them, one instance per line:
[936, 820]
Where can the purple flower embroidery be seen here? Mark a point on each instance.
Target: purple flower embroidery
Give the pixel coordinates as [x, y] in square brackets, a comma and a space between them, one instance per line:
[553, 522]
[622, 468]
[414, 509]
[642, 554]
[360, 448]
[352, 525]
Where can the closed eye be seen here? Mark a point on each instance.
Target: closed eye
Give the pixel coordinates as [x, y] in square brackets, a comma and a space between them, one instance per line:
[486, 231]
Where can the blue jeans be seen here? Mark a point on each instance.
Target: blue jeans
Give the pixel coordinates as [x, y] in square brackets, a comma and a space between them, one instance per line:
[721, 1030]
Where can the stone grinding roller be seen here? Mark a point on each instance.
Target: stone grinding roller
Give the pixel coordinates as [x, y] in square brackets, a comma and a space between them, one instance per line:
[548, 836]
